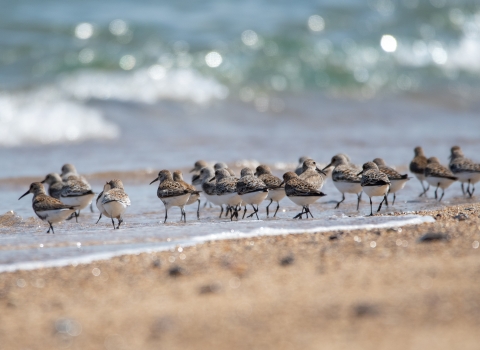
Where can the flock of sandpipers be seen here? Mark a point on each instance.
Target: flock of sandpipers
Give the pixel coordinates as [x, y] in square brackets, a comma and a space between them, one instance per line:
[68, 192]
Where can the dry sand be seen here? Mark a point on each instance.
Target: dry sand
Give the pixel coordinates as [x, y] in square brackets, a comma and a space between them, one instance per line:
[378, 289]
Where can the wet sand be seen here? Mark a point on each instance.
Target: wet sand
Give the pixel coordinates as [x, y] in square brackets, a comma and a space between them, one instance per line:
[358, 289]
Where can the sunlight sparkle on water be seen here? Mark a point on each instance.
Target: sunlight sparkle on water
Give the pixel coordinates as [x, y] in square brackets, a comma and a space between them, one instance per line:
[388, 43]
[213, 59]
[316, 23]
[84, 30]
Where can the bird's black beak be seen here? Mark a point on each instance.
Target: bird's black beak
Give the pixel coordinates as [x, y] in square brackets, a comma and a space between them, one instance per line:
[191, 171]
[24, 194]
[281, 184]
[328, 166]
[321, 171]
[360, 173]
[154, 180]
[43, 181]
[213, 178]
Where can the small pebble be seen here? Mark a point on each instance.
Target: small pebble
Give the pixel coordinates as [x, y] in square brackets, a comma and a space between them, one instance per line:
[461, 217]
[176, 271]
[288, 260]
[363, 310]
[431, 237]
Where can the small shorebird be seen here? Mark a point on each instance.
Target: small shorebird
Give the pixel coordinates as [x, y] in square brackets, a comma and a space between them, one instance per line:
[76, 193]
[397, 180]
[417, 168]
[299, 168]
[172, 193]
[374, 183]
[209, 186]
[70, 172]
[115, 201]
[99, 204]
[55, 185]
[47, 208]
[276, 190]
[222, 165]
[301, 193]
[438, 175]
[465, 169]
[312, 174]
[251, 190]
[226, 190]
[345, 178]
[178, 177]
[199, 165]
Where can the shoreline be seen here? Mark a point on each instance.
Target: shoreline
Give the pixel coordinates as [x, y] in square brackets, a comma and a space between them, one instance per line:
[361, 288]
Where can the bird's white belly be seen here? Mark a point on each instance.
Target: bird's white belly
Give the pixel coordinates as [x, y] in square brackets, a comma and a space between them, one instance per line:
[276, 195]
[421, 177]
[397, 185]
[193, 198]
[304, 200]
[376, 191]
[214, 199]
[465, 176]
[254, 197]
[55, 215]
[442, 182]
[177, 201]
[114, 209]
[348, 187]
[232, 199]
[79, 202]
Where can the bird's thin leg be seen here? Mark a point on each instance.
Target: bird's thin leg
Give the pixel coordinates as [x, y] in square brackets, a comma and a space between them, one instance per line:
[244, 212]
[473, 190]
[383, 200]
[166, 215]
[113, 223]
[198, 210]
[278, 206]
[299, 215]
[221, 212]
[119, 223]
[309, 212]
[359, 198]
[343, 198]
[229, 209]
[99, 218]
[436, 191]
[423, 187]
[271, 200]
[256, 211]
[76, 216]
[394, 197]
[205, 204]
[463, 190]
[443, 192]
[91, 206]
[371, 210]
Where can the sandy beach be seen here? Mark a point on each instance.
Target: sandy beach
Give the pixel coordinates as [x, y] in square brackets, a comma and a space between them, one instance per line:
[363, 289]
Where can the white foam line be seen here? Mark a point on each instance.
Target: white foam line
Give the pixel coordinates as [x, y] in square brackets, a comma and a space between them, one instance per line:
[164, 246]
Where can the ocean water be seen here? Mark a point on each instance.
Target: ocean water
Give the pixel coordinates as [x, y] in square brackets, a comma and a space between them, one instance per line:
[133, 87]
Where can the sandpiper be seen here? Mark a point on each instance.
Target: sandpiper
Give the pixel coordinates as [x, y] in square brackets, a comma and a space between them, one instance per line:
[345, 178]
[299, 168]
[417, 168]
[301, 193]
[115, 201]
[251, 190]
[55, 185]
[70, 172]
[194, 197]
[76, 193]
[222, 165]
[209, 186]
[47, 208]
[397, 180]
[374, 183]
[199, 165]
[276, 190]
[226, 189]
[465, 169]
[312, 174]
[438, 175]
[99, 200]
[172, 193]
